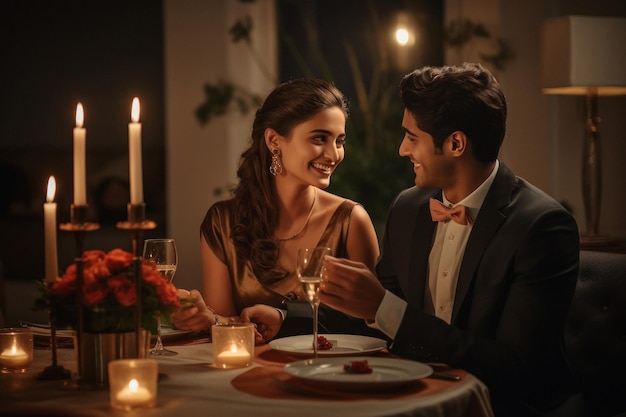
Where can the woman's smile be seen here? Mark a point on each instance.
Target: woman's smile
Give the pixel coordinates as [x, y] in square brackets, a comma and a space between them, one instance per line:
[324, 168]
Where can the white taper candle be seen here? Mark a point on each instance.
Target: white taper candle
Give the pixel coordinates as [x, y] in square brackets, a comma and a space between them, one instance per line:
[134, 155]
[50, 232]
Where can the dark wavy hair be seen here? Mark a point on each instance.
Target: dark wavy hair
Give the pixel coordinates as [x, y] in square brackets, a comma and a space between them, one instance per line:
[466, 98]
[255, 216]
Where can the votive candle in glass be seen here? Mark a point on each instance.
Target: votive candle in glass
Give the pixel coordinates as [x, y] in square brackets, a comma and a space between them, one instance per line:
[133, 383]
[233, 345]
[16, 349]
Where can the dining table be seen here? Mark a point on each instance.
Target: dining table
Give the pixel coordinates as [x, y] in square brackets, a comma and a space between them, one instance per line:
[189, 384]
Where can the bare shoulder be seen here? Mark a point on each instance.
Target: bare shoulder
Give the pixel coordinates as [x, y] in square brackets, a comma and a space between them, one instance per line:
[331, 202]
[326, 198]
[359, 213]
[328, 201]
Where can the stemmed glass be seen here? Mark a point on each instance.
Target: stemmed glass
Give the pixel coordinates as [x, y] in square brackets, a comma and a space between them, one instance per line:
[161, 252]
[310, 268]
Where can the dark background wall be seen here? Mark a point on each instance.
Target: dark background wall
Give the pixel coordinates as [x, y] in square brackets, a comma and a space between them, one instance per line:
[55, 54]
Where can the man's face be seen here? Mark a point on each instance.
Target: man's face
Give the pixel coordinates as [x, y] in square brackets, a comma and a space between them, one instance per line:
[431, 166]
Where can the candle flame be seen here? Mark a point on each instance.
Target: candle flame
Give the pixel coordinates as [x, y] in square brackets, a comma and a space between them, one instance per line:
[233, 348]
[134, 113]
[80, 115]
[52, 188]
[133, 385]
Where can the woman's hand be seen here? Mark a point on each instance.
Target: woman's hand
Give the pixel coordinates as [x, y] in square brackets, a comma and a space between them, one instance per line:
[267, 320]
[193, 314]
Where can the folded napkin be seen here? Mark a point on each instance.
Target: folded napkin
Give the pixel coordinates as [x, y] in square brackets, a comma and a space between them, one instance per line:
[41, 335]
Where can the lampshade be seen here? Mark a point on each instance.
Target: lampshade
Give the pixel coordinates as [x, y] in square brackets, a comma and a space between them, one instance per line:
[581, 52]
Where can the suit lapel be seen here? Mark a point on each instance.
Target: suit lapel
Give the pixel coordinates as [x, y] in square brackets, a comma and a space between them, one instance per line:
[420, 248]
[489, 220]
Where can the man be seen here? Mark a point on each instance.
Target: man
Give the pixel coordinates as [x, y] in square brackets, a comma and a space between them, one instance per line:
[488, 287]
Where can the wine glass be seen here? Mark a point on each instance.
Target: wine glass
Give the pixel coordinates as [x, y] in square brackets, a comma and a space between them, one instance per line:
[161, 252]
[310, 268]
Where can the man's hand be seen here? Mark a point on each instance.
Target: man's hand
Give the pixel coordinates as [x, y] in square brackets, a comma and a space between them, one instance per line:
[266, 319]
[351, 287]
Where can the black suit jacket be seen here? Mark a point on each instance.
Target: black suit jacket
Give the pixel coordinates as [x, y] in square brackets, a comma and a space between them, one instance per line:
[515, 285]
[299, 321]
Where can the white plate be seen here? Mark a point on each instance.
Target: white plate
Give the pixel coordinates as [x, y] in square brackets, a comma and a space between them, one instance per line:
[386, 372]
[343, 345]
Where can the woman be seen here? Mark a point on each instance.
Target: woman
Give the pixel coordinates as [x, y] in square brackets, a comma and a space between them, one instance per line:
[249, 242]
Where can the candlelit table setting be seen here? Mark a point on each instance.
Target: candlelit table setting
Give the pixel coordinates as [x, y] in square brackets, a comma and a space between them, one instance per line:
[107, 369]
[276, 383]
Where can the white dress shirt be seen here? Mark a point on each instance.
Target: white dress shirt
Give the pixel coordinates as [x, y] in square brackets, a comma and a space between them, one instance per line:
[444, 264]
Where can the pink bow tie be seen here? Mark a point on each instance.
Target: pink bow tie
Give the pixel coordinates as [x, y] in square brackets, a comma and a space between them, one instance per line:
[459, 214]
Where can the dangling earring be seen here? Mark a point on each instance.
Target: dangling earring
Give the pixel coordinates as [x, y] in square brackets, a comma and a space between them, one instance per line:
[276, 168]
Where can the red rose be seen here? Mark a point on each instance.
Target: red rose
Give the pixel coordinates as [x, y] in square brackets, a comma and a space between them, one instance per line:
[65, 286]
[93, 256]
[93, 266]
[94, 294]
[151, 275]
[123, 289]
[94, 272]
[117, 259]
[168, 294]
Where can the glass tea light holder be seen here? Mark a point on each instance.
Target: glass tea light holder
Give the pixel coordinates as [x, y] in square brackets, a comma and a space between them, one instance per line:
[233, 345]
[133, 383]
[16, 349]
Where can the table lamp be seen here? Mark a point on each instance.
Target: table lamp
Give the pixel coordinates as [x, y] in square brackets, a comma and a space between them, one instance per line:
[585, 56]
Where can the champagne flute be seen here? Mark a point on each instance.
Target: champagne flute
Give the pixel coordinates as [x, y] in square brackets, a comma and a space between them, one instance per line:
[310, 268]
[161, 252]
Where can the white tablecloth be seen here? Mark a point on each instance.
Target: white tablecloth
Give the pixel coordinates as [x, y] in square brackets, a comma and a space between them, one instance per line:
[190, 386]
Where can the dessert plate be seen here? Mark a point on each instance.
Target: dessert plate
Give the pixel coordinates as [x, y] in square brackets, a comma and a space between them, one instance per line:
[343, 345]
[386, 372]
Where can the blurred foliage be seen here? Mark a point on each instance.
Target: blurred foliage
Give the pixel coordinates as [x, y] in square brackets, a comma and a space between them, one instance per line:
[459, 32]
[222, 96]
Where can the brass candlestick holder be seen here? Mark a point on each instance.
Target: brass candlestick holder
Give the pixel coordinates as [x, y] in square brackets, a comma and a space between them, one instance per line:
[54, 372]
[137, 225]
[79, 225]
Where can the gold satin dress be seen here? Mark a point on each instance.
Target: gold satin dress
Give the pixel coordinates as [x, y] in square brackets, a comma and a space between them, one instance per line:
[247, 290]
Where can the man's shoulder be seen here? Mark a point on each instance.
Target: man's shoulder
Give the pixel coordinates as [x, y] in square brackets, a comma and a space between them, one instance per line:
[534, 198]
[414, 196]
[516, 193]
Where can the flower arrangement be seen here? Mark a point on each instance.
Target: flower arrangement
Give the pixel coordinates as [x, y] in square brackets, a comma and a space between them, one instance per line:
[109, 294]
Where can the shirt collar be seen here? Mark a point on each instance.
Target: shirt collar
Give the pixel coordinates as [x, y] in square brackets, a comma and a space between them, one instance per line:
[475, 200]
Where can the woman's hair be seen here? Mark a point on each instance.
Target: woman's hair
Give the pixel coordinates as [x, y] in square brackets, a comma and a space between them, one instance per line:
[255, 200]
[466, 98]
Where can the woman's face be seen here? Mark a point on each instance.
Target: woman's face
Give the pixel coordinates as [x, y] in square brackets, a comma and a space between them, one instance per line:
[315, 148]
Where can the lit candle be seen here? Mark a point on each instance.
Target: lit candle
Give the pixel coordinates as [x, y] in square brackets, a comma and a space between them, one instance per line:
[14, 357]
[134, 395]
[80, 194]
[50, 232]
[233, 357]
[133, 383]
[134, 154]
[233, 345]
